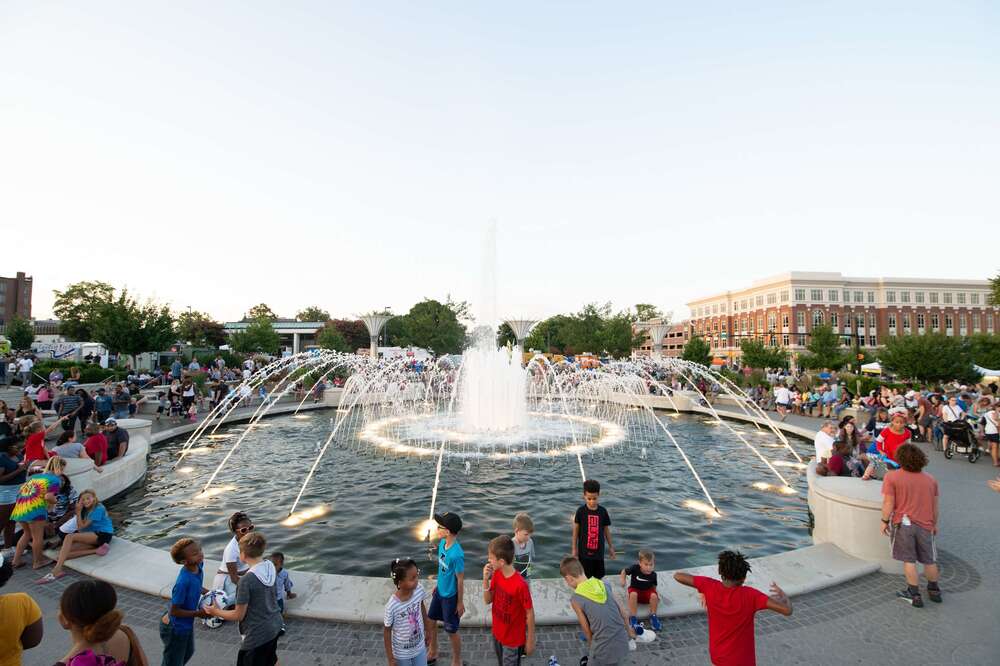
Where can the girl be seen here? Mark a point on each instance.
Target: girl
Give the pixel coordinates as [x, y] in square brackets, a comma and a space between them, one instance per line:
[849, 433]
[87, 611]
[44, 397]
[31, 510]
[227, 577]
[34, 444]
[27, 407]
[406, 628]
[12, 475]
[94, 533]
[991, 429]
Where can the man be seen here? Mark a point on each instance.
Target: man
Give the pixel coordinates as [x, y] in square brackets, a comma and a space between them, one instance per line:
[67, 406]
[194, 366]
[24, 367]
[782, 400]
[824, 441]
[120, 402]
[117, 439]
[175, 368]
[910, 520]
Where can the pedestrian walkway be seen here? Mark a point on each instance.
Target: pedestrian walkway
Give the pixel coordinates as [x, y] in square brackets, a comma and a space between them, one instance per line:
[858, 622]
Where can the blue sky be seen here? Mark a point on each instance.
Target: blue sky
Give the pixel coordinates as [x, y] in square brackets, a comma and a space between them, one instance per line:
[350, 155]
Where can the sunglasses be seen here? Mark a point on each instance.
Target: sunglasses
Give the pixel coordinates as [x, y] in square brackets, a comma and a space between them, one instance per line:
[244, 530]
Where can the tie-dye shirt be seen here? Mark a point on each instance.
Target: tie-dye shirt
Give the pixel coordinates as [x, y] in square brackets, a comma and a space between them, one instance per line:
[31, 505]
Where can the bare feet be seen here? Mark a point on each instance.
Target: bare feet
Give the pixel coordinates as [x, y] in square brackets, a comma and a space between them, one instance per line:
[44, 563]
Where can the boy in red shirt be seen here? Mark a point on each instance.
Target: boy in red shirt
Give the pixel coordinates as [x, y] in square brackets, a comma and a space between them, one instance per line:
[513, 614]
[731, 608]
[96, 445]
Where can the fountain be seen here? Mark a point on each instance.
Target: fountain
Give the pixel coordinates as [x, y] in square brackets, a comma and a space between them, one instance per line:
[374, 322]
[656, 331]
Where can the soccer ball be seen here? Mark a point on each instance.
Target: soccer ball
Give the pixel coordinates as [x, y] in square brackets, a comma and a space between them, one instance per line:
[217, 597]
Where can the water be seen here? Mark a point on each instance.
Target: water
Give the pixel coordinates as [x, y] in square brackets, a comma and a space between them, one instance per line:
[378, 501]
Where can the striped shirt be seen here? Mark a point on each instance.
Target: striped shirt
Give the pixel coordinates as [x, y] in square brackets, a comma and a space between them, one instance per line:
[406, 619]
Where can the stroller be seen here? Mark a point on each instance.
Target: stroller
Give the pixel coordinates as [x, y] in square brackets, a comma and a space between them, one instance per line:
[962, 440]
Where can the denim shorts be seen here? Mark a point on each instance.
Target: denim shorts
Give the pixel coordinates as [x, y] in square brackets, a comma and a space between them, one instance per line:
[445, 609]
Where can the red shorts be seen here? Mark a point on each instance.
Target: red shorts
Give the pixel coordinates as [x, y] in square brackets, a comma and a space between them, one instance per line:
[643, 595]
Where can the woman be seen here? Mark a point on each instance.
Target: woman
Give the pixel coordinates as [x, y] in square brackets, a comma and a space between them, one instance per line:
[31, 510]
[847, 432]
[188, 394]
[13, 469]
[56, 377]
[21, 626]
[878, 421]
[93, 535]
[44, 397]
[87, 407]
[227, 577]
[27, 407]
[87, 611]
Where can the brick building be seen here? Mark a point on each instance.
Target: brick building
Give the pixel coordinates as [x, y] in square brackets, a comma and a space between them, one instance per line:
[782, 310]
[15, 297]
[673, 341]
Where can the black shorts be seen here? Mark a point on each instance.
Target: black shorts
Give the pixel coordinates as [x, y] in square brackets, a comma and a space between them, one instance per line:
[187, 401]
[445, 609]
[593, 568]
[992, 437]
[103, 537]
[262, 655]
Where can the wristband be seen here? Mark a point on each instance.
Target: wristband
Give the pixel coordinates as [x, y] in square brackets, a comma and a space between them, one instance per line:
[885, 520]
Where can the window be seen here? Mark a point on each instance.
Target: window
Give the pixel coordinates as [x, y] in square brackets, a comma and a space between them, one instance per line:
[715, 308]
[746, 303]
[890, 297]
[859, 297]
[759, 300]
[935, 322]
[921, 321]
[800, 294]
[816, 294]
[975, 322]
[817, 318]
[784, 297]
[892, 320]
[772, 298]
[961, 297]
[872, 341]
[933, 296]
[947, 298]
[871, 296]
[800, 320]
[715, 326]
[744, 324]
[906, 321]
[974, 299]
[832, 295]
[859, 320]
[989, 322]
[771, 321]
[784, 321]
[833, 320]
[847, 296]
[961, 323]
[949, 322]
[760, 324]
[784, 340]
[919, 297]
[871, 321]
[904, 297]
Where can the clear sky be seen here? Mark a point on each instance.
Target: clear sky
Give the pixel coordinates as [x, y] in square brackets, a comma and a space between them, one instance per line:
[349, 155]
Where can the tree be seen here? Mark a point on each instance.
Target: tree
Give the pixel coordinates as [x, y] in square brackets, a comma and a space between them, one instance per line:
[330, 338]
[354, 331]
[758, 355]
[645, 312]
[550, 335]
[825, 350]
[21, 333]
[260, 311]
[432, 325]
[313, 313]
[995, 290]
[505, 336]
[985, 350]
[929, 358]
[200, 330]
[462, 309]
[127, 326]
[75, 307]
[258, 337]
[697, 351]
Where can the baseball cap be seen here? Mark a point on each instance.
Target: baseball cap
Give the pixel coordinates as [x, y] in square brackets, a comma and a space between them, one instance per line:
[449, 521]
[110, 421]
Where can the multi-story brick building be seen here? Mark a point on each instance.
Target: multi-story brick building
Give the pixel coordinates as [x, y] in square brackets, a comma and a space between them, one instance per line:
[782, 310]
[15, 297]
[674, 340]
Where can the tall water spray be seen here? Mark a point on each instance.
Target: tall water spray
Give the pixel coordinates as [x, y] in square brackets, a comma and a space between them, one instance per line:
[492, 385]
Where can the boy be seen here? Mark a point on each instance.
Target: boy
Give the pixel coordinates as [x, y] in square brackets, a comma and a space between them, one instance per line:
[731, 608]
[177, 625]
[256, 605]
[282, 582]
[642, 589]
[513, 614]
[162, 404]
[591, 528]
[447, 602]
[102, 405]
[910, 517]
[602, 620]
[524, 546]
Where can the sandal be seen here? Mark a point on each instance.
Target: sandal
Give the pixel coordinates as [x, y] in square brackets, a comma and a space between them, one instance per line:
[50, 578]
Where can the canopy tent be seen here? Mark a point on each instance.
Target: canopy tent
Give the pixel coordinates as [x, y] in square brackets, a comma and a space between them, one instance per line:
[872, 368]
[987, 374]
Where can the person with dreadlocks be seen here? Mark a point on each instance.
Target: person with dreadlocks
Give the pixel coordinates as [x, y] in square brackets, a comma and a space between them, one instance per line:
[731, 609]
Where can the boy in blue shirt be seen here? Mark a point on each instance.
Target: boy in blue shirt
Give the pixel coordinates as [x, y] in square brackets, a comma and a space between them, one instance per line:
[177, 626]
[447, 602]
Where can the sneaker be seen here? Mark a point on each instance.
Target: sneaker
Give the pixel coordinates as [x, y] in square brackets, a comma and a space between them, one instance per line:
[915, 599]
[654, 622]
[636, 626]
[935, 595]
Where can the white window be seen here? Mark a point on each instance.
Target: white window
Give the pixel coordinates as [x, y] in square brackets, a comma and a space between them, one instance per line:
[784, 340]
[784, 297]
[890, 297]
[759, 300]
[871, 320]
[920, 321]
[832, 295]
[859, 297]
[772, 298]
[935, 322]
[871, 296]
[800, 320]
[816, 294]
[933, 296]
[784, 320]
[906, 321]
[772, 321]
[974, 298]
[961, 297]
[859, 320]
[847, 296]
[892, 320]
[961, 322]
[760, 323]
[919, 297]
[872, 341]
[904, 297]
[833, 320]
[975, 322]
[949, 322]
[989, 322]
[947, 297]
[715, 308]
[800, 294]
[817, 318]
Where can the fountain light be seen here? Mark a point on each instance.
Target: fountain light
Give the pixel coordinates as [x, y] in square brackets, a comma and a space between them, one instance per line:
[217, 437]
[768, 487]
[787, 490]
[306, 515]
[302, 417]
[213, 492]
[425, 528]
[789, 463]
[703, 507]
[194, 450]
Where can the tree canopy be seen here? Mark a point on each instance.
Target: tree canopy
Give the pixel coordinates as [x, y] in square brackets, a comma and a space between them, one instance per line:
[995, 290]
[260, 311]
[697, 351]
[330, 337]
[200, 330]
[432, 325]
[595, 328]
[758, 355]
[646, 311]
[312, 313]
[985, 350]
[258, 337]
[930, 357]
[354, 332]
[127, 326]
[76, 306]
[825, 350]
[20, 332]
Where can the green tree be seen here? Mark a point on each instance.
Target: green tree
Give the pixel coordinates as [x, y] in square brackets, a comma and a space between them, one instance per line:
[758, 355]
[432, 325]
[646, 311]
[258, 337]
[929, 358]
[698, 351]
[825, 350]
[462, 309]
[76, 305]
[354, 332]
[313, 313]
[20, 332]
[200, 330]
[550, 335]
[505, 336]
[331, 338]
[127, 326]
[995, 290]
[985, 350]
[260, 311]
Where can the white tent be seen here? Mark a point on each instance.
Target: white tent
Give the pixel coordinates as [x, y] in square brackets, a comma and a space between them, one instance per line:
[872, 368]
[986, 373]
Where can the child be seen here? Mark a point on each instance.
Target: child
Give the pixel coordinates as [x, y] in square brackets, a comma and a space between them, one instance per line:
[256, 605]
[162, 404]
[447, 602]
[177, 625]
[406, 628]
[93, 535]
[731, 608]
[524, 546]
[642, 589]
[513, 614]
[175, 409]
[591, 528]
[282, 582]
[602, 620]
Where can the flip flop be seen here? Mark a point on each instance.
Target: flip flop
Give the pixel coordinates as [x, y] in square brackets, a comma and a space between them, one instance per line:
[50, 578]
[103, 549]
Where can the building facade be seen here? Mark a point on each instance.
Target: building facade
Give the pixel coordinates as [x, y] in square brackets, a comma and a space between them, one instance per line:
[295, 335]
[783, 310]
[673, 341]
[15, 297]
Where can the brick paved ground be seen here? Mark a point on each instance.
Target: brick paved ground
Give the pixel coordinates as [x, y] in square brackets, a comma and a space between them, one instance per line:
[856, 623]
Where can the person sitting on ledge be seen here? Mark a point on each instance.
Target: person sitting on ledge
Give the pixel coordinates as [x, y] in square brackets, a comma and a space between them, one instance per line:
[117, 439]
